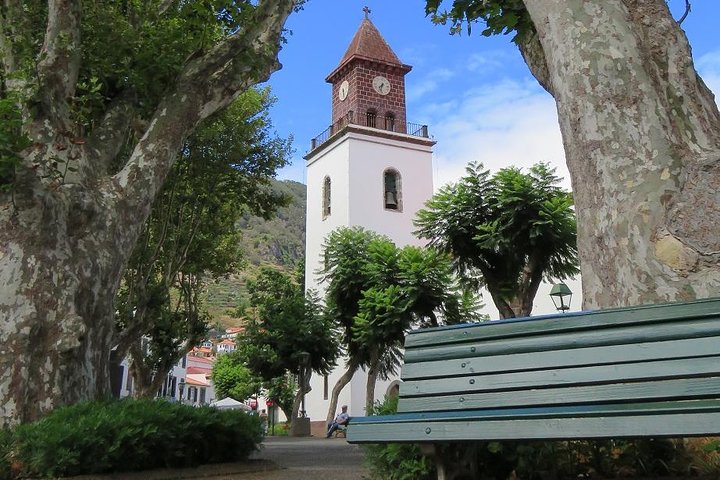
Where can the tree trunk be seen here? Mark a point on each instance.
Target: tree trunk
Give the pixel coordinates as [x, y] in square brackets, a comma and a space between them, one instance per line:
[303, 389]
[59, 279]
[339, 385]
[371, 383]
[69, 224]
[642, 140]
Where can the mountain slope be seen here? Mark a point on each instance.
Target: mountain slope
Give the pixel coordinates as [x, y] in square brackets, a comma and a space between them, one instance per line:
[277, 242]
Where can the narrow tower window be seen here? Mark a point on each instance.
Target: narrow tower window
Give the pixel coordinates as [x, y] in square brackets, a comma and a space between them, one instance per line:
[326, 197]
[393, 190]
[390, 121]
[371, 117]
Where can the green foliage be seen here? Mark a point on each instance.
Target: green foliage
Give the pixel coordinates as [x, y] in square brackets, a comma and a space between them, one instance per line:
[12, 141]
[130, 435]
[534, 460]
[704, 455]
[396, 461]
[223, 172]
[283, 326]
[6, 440]
[500, 17]
[506, 232]
[282, 390]
[376, 292]
[232, 378]
[280, 240]
[136, 46]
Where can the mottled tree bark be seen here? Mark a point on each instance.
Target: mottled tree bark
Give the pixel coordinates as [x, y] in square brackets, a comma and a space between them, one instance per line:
[69, 227]
[642, 139]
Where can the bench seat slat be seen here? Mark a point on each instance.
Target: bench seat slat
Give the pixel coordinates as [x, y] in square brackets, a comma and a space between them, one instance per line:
[686, 388]
[592, 410]
[694, 347]
[569, 322]
[565, 377]
[562, 428]
[629, 335]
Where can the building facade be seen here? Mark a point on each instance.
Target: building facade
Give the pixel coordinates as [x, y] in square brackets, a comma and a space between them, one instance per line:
[369, 168]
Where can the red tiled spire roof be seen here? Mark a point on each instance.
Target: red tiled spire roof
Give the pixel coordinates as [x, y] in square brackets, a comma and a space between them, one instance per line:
[368, 44]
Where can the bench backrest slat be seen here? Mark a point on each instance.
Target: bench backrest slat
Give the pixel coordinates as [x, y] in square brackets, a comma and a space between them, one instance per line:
[652, 353]
[547, 342]
[609, 318]
[686, 388]
[603, 355]
[565, 377]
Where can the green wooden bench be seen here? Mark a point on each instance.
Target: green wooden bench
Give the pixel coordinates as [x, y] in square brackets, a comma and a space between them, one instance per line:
[648, 371]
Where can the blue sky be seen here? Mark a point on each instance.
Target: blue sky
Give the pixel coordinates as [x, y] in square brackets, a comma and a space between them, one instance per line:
[475, 93]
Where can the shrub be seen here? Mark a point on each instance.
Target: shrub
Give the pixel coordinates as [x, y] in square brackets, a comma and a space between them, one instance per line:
[396, 461]
[128, 435]
[5, 443]
[551, 460]
[705, 456]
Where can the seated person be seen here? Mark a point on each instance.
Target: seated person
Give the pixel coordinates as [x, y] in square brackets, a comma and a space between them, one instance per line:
[341, 419]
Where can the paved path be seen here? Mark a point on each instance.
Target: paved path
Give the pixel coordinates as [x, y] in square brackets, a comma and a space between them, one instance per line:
[309, 458]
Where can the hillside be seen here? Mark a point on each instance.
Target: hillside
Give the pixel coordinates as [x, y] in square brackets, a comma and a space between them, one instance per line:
[279, 241]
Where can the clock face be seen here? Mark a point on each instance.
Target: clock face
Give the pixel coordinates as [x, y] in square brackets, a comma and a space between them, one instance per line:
[381, 85]
[343, 90]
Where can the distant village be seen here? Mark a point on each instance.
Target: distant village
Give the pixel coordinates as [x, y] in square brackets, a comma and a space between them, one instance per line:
[190, 380]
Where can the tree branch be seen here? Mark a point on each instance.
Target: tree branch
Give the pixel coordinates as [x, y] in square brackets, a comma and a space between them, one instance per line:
[59, 63]
[13, 25]
[207, 84]
[107, 139]
[165, 6]
[242, 60]
[534, 57]
[687, 11]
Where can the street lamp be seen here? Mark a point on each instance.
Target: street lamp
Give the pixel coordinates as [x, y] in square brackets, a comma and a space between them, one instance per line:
[561, 296]
[305, 360]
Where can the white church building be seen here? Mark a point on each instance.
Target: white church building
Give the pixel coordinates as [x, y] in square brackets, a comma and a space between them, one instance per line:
[370, 168]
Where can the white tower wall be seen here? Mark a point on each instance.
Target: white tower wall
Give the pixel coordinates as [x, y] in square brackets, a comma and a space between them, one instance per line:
[356, 162]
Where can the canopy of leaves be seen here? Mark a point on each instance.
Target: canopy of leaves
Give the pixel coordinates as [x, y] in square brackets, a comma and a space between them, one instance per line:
[505, 232]
[285, 331]
[12, 140]
[232, 378]
[191, 236]
[500, 16]
[131, 52]
[376, 292]
[137, 46]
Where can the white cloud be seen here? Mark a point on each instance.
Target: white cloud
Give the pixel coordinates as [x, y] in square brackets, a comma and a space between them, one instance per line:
[708, 66]
[488, 61]
[431, 82]
[510, 123]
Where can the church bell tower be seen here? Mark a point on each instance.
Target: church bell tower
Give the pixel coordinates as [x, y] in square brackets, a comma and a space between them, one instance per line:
[370, 168]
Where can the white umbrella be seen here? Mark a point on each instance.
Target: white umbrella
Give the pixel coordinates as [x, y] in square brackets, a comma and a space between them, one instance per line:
[230, 403]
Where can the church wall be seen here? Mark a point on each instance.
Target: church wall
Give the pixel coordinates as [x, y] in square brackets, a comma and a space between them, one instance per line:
[367, 207]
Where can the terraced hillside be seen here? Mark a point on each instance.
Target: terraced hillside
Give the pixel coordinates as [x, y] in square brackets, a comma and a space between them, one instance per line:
[279, 242]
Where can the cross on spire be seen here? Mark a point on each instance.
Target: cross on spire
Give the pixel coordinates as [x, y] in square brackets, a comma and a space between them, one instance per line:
[367, 11]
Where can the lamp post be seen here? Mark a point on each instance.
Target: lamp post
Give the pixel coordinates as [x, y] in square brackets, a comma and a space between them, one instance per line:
[305, 360]
[181, 390]
[561, 296]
